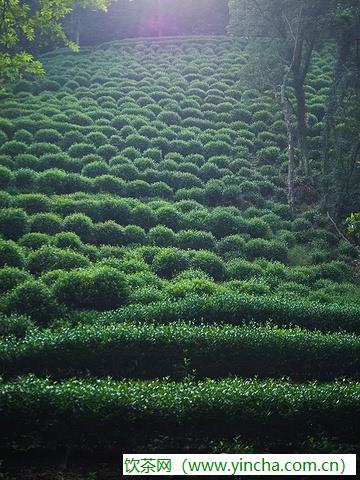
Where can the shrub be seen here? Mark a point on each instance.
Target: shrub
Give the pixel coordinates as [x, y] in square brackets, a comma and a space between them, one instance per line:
[42, 148]
[72, 137]
[109, 184]
[51, 258]
[48, 223]
[95, 169]
[6, 161]
[139, 188]
[253, 286]
[162, 190]
[52, 181]
[162, 236]
[271, 250]
[135, 235]
[80, 224]
[209, 263]
[108, 233]
[169, 217]
[6, 176]
[61, 161]
[213, 192]
[300, 224]
[33, 298]
[97, 138]
[23, 136]
[100, 288]
[80, 119]
[49, 135]
[10, 277]
[269, 154]
[139, 142]
[182, 288]
[25, 179]
[239, 269]
[80, 150]
[216, 148]
[16, 325]
[13, 148]
[34, 241]
[10, 254]
[169, 263]
[232, 246]
[153, 153]
[5, 199]
[125, 171]
[131, 153]
[47, 85]
[257, 228]
[66, 240]
[196, 240]
[336, 271]
[107, 152]
[25, 160]
[144, 216]
[170, 118]
[13, 223]
[145, 295]
[33, 202]
[222, 222]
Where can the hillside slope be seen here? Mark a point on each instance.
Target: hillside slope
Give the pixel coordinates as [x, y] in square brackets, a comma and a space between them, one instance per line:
[145, 233]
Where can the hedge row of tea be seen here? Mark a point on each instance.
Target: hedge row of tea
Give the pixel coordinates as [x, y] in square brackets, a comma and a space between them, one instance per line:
[145, 235]
[156, 351]
[106, 412]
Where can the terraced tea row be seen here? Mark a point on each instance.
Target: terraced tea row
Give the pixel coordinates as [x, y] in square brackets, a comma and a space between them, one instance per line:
[130, 350]
[106, 412]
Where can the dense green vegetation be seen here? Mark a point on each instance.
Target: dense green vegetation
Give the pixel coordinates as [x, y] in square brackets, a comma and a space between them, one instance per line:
[148, 255]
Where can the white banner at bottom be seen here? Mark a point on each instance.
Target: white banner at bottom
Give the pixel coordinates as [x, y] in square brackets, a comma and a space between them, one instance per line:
[230, 465]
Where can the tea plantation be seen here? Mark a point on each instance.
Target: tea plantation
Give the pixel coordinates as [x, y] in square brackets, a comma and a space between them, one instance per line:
[157, 293]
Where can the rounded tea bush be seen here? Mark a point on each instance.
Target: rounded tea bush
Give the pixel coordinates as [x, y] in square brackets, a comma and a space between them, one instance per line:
[16, 325]
[270, 250]
[80, 224]
[11, 254]
[34, 240]
[33, 298]
[68, 240]
[239, 269]
[49, 223]
[51, 258]
[233, 245]
[10, 277]
[13, 148]
[95, 169]
[169, 263]
[182, 288]
[99, 288]
[108, 233]
[6, 176]
[209, 263]
[196, 240]
[162, 236]
[14, 223]
[25, 179]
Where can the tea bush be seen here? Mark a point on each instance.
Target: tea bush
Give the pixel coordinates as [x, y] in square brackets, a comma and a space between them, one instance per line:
[100, 288]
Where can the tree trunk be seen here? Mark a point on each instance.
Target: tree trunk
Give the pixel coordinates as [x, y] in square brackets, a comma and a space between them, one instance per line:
[291, 148]
[301, 123]
[328, 121]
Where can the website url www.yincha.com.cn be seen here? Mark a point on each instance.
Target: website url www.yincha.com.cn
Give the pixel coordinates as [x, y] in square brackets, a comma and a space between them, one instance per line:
[229, 465]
